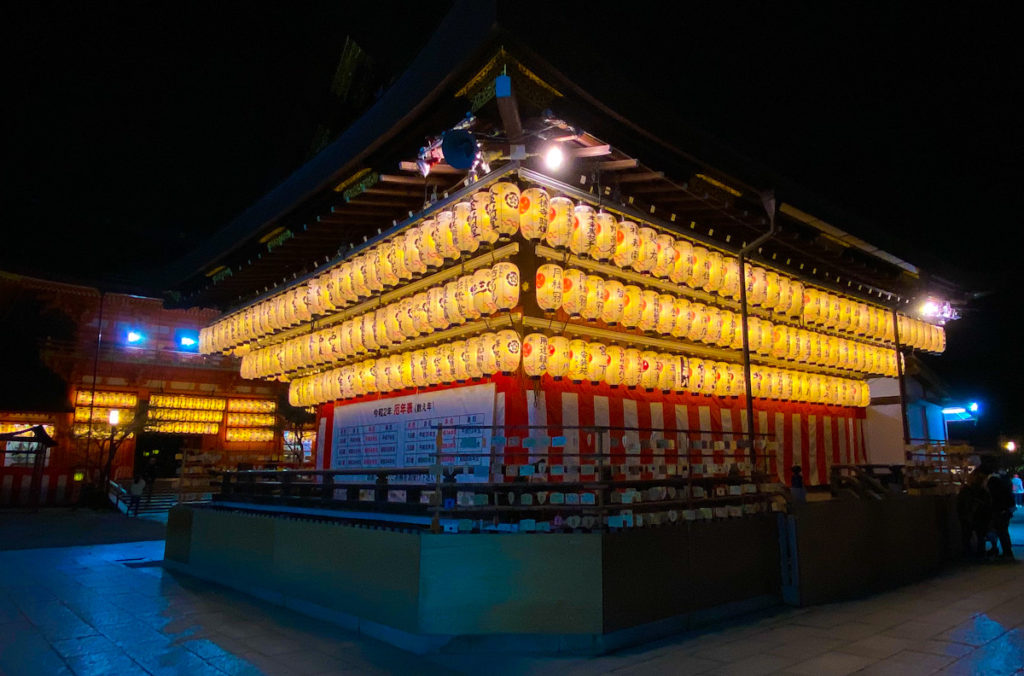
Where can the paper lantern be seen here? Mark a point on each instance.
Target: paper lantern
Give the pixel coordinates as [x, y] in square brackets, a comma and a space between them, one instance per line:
[414, 260]
[647, 250]
[605, 230]
[464, 297]
[681, 267]
[473, 365]
[698, 267]
[506, 285]
[436, 316]
[509, 350]
[405, 322]
[593, 303]
[445, 235]
[810, 310]
[771, 289]
[558, 357]
[614, 302]
[633, 365]
[380, 329]
[737, 383]
[708, 382]
[460, 359]
[504, 208]
[584, 231]
[715, 264]
[843, 319]
[480, 219]
[666, 313]
[368, 375]
[698, 322]
[730, 287]
[446, 363]
[535, 355]
[793, 347]
[720, 377]
[451, 304]
[384, 256]
[483, 291]
[419, 368]
[615, 371]
[560, 215]
[549, 287]
[429, 249]
[466, 239]
[648, 370]
[574, 291]
[757, 285]
[489, 353]
[648, 310]
[419, 313]
[533, 213]
[382, 371]
[577, 360]
[780, 341]
[597, 362]
[665, 255]
[680, 318]
[668, 373]
[373, 280]
[713, 332]
[632, 307]
[627, 241]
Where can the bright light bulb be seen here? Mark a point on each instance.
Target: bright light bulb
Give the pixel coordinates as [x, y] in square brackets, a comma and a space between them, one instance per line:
[114, 417]
[134, 337]
[930, 309]
[187, 341]
[554, 157]
[1011, 446]
[973, 407]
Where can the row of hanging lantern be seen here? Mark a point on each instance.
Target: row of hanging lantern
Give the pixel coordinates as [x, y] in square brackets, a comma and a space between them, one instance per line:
[183, 427]
[456, 361]
[595, 298]
[252, 405]
[106, 399]
[250, 420]
[248, 434]
[444, 237]
[921, 335]
[467, 298]
[594, 362]
[8, 427]
[500, 212]
[187, 401]
[184, 415]
[102, 414]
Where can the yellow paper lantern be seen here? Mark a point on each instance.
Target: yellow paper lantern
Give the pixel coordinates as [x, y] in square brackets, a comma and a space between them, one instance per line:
[466, 238]
[648, 310]
[577, 360]
[560, 216]
[446, 363]
[473, 364]
[713, 332]
[665, 255]
[533, 213]
[506, 285]
[614, 302]
[730, 287]
[627, 241]
[509, 350]
[480, 218]
[584, 231]
[504, 208]
[698, 267]
[697, 330]
[549, 287]
[535, 355]
[597, 362]
[483, 292]
[648, 370]
[668, 372]
[460, 358]
[633, 366]
[666, 313]
[488, 353]
[681, 268]
[436, 316]
[420, 306]
[445, 235]
[574, 291]
[451, 304]
[716, 271]
[464, 297]
[681, 314]
[558, 357]
[414, 259]
[605, 230]
[615, 371]
[632, 307]
[593, 303]
[647, 250]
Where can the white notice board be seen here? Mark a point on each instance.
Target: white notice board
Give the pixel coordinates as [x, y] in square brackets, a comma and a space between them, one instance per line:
[402, 431]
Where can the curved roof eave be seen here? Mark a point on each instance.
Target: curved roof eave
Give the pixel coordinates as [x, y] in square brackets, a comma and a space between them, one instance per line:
[447, 50]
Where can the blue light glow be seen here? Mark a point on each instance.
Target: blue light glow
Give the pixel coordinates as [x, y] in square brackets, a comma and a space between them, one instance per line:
[135, 338]
[186, 340]
[973, 407]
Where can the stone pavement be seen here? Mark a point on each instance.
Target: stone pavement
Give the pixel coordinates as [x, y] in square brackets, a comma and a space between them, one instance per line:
[105, 609]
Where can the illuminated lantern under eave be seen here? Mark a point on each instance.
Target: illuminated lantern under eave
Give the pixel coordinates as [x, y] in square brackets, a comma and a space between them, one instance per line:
[488, 353]
[594, 301]
[533, 213]
[633, 361]
[665, 255]
[680, 271]
[648, 370]
[605, 228]
[535, 355]
[632, 306]
[504, 208]
[577, 371]
[510, 351]
[648, 310]
[560, 214]
[615, 371]
[558, 356]
[647, 250]
[574, 291]
[506, 285]
[614, 302]
[667, 313]
[549, 287]
[480, 219]
[627, 240]
[583, 233]
[698, 268]
[466, 239]
[483, 292]
[473, 357]
[597, 362]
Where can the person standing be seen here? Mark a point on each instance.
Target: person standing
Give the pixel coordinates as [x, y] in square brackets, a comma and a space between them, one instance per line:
[1018, 490]
[1002, 510]
[135, 492]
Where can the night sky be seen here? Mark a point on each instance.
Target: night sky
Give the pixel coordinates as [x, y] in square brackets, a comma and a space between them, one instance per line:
[133, 130]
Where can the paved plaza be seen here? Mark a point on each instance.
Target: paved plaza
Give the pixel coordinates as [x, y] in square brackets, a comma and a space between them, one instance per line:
[111, 609]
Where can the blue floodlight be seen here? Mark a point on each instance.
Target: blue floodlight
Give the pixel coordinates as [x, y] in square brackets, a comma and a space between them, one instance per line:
[135, 337]
[186, 340]
[954, 410]
[973, 407]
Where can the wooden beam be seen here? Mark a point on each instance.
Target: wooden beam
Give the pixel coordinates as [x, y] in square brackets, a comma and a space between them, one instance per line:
[641, 177]
[618, 165]
[442, 168]
[591, 151]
